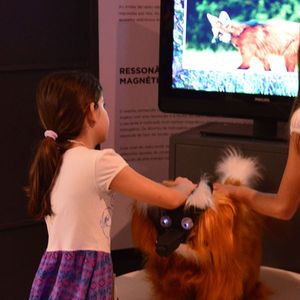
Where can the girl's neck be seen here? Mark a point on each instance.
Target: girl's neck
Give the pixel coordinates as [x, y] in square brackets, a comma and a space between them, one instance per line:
[78, 143]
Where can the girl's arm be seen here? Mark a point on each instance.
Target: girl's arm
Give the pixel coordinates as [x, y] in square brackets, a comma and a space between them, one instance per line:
[138, 187]
[282, 205]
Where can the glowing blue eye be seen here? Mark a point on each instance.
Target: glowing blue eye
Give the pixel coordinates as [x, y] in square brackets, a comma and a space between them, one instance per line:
[187, 223]
[165, 221]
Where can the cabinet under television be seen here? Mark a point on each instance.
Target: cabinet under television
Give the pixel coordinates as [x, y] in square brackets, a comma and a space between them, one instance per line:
[194, 153]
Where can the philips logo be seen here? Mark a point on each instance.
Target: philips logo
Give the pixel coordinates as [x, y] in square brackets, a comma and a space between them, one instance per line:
[263, 100]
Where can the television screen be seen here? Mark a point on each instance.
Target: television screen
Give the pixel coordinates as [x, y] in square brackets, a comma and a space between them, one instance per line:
[229, 58]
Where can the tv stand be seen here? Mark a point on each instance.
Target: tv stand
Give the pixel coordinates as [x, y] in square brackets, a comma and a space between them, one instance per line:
[194, 153]
[263, 130]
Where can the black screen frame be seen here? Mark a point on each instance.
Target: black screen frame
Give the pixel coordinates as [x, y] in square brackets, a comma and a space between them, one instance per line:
[219, 104]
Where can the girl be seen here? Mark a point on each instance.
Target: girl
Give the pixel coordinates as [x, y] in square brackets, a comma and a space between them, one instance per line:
[284, 204]
[70, 186]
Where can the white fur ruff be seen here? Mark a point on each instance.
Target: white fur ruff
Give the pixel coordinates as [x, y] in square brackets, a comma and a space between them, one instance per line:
[235, 166]
[188, 253]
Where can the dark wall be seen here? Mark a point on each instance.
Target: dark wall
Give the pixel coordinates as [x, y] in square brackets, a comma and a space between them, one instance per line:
[37, 37]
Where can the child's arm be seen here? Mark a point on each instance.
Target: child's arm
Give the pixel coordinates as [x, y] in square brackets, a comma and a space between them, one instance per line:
[282, 205]
[135, 186]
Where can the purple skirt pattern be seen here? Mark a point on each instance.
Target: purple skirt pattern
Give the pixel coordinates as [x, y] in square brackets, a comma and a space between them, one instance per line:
[73, 275]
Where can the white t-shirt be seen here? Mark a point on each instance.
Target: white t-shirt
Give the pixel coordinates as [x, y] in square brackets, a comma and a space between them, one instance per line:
[82, 202]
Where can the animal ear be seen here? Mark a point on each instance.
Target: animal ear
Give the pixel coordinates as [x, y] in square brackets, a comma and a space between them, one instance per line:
[235, 168]
[212, 19]
[224, 17]
[201, 197]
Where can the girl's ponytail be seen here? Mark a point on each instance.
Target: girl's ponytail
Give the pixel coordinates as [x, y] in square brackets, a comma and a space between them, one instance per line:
[42, 175]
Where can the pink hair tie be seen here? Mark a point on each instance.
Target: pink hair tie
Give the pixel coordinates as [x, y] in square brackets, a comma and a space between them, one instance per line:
[51, 134]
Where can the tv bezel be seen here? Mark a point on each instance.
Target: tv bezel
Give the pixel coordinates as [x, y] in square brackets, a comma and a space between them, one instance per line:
[218, 104]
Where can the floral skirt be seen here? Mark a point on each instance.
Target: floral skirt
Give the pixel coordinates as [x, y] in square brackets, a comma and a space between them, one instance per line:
[73, 275]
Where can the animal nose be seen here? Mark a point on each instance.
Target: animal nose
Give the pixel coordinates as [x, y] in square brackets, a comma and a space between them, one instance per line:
[169, 241]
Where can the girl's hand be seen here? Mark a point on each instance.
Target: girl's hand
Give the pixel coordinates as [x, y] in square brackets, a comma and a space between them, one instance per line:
[225, 189]
[242, 193]
[181, 184]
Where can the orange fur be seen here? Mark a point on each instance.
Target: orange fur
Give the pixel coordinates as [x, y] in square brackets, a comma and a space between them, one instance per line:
[225, 264]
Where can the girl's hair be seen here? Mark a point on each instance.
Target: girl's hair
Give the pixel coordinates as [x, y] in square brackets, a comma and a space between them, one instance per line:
[63, 99]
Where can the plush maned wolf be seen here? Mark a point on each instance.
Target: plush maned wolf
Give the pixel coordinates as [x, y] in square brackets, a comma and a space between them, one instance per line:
[208, 249]
[258, 39]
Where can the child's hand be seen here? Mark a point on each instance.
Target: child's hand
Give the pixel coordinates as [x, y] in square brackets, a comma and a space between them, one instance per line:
[225, 189]
[181, 184]
[232, 191]
[243, 193]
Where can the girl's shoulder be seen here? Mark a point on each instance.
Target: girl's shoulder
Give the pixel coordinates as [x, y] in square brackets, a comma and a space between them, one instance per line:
[107, 152]
[109, 156]
[108, 164]
[295, 121]
[82, 153]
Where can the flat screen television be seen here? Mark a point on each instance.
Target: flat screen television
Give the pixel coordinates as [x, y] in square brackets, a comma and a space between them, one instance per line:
[230, 58]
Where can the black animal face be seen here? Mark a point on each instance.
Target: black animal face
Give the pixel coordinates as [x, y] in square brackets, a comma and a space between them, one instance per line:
[173, 226]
